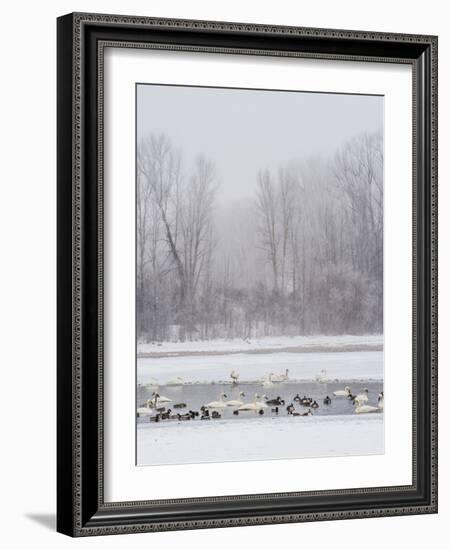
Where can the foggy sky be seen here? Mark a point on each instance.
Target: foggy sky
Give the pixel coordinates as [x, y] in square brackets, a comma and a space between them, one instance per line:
[244, 131]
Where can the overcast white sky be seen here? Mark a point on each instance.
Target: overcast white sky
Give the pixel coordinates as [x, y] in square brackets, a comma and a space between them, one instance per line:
[244, 131]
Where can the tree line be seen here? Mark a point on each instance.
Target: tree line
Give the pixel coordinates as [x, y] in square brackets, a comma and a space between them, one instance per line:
[303, 255]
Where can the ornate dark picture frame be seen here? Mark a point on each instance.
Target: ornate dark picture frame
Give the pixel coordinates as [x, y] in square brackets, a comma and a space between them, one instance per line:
[81, 510]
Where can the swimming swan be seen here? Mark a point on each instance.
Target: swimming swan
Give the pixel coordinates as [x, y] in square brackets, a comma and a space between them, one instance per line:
[220, 404]
[146, 410]
[362, 397]
[254, 406]
[362, 408]
[235, 402]
[380, 401]
[342, 393]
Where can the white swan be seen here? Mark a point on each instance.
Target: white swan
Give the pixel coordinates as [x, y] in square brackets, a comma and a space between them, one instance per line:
[321, 376]
[234, 376]
[152, 383]
[235, 402]
[160, 399]
[146, 410]
[362, 408]
[362, 397]
[267, 381]
[254, 406]
[280, 377]
[380, 401]
[220, 404]
[178, 381]
[342, 393]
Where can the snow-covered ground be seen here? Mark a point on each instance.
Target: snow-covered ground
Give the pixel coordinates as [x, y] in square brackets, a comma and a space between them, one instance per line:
[259, 439]
[355, 365]
[275, 343]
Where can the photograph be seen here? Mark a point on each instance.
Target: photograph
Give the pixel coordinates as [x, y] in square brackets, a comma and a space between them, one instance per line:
[259, 274]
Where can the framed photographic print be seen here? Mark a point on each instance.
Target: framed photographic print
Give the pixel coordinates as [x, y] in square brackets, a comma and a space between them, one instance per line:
[247, 284]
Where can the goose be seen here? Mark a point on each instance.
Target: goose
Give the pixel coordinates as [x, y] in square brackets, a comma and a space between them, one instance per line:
[380, 401]
[216, 414]
[145, 410]
[178, 381]
[321, 376]
[280, 377]
[220, 404]
[234, 377]
[362, 408]
[236, 402]
[297, 398]
[254, 406]
[343, 393]
[179, 405]
[290, 409]
[307, 413]
[327, 400]
[314, 405]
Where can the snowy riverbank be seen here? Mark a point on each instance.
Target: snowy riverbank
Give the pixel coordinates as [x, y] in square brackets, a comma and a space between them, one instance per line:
[260, 439]
[355, 365]
[304, 344]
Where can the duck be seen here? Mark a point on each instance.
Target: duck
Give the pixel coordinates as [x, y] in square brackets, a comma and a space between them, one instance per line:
[179, 406]
[277, 401]
[306, 401]
[321, 376]
[275, 410]
[290, 409]
[154, 418]
[307, 413]
[327, 400]
[261, 411]
[380, 401]
[165, 415]
[234, 377]
[314, 405]
[236, 412]
[235, 402]
[280, 377]
[342, 393]
[254, 406]
[145, 410]
[216, 414]
[361, 407]
[220, 404]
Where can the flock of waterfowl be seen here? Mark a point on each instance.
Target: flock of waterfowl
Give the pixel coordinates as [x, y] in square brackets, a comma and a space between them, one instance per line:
[157, 407]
